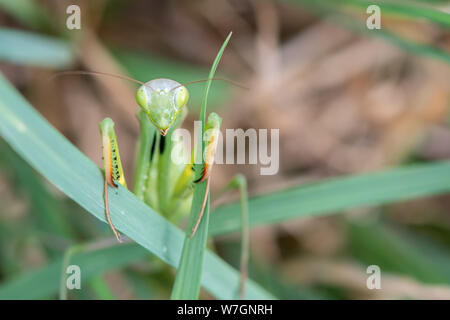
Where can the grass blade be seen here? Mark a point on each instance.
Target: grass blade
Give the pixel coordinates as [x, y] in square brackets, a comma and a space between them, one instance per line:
[406, 9]
[187, 281]
[27, 48]
[335, 11]
[398, 250]
[29, 12]
[332, 196]
[50, 213]
[68, 169]
[101, 289]
[45, 282]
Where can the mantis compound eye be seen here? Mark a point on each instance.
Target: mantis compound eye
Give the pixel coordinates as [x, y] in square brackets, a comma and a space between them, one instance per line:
[181, 96]
[143, 98]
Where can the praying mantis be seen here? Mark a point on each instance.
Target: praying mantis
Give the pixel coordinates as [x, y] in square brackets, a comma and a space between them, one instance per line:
[163, 185]
[162, 101]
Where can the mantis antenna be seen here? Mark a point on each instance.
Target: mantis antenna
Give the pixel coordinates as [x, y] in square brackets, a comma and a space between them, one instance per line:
[99, 73]
[220, 79]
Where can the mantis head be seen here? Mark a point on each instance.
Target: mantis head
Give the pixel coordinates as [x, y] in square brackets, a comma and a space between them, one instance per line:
[162, 100]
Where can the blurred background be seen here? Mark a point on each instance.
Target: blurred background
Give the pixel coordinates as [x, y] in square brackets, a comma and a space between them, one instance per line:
[347, 100]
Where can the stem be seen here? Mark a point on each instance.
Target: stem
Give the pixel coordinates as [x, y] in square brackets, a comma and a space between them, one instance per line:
[240, 183]
[80, 248]
[245, 236]
[65, 263]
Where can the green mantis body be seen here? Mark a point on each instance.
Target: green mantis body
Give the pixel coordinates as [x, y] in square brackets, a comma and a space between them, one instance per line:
[163, 185]
[162, 101]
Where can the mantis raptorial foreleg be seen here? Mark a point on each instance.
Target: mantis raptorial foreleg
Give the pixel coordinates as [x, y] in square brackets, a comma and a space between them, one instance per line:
[211, 138]
[112, 166]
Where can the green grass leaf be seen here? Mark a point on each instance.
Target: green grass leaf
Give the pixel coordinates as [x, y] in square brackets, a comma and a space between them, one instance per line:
[187, 281]
[101, 289]
[32, 49]
[68, 169]
[48, 211]
[398, 250]
[44, 282]
[337, 12]
[334, 195]
[405, 9]
[29, 12]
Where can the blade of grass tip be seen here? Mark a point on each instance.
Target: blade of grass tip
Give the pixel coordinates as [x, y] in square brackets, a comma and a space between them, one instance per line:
[187, 281]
